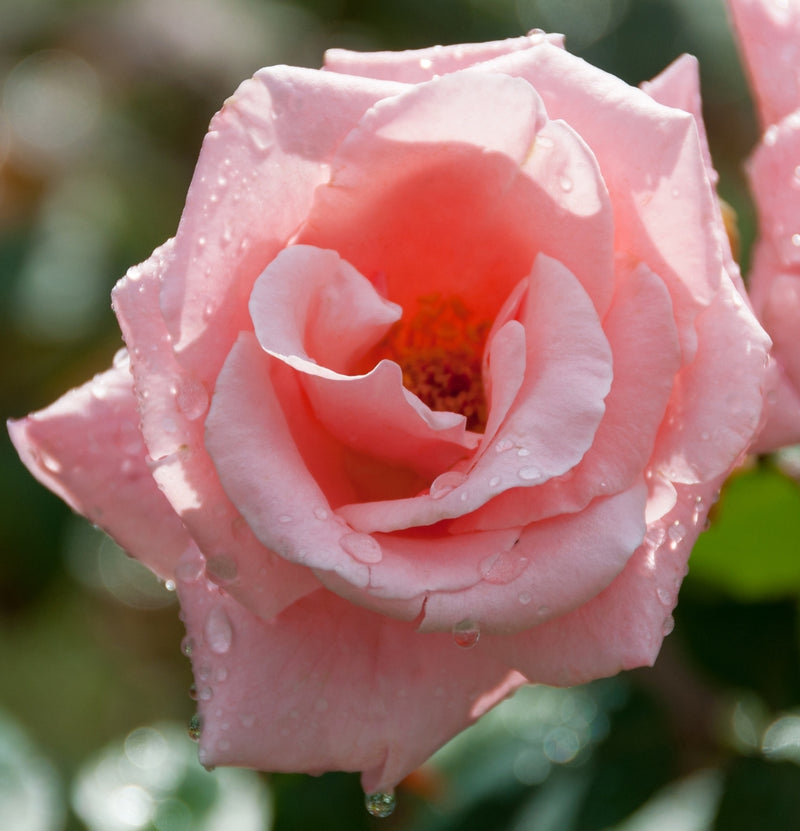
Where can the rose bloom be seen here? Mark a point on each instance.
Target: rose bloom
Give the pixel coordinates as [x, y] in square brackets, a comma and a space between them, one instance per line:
[769, 36]
[429, 396]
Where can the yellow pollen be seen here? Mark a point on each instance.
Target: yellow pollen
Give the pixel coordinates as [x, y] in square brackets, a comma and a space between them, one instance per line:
[440, 349]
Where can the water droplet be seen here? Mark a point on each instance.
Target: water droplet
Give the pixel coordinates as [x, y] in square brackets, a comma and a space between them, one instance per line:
[664, 596]
[218, 631]
[49, 462]
[195, 727]
[222, 568]
[531, 474]
[466, 633]
[425, 63]
[208, 310]
[523, 451]
[363, 547]
[205, 694]
[320, 513]
[380, 804]
[494, 481]
[502, 568]
[169, 585]
[669, 625]
[543, 610]
[676, 533]
[544, 142]
[187, 646]
[192, 398]
[193, 692]
[566, 184]
[771, 136]
[284, 518]
[525, 598]
[445, 483]
[503, 445]
[247, 719]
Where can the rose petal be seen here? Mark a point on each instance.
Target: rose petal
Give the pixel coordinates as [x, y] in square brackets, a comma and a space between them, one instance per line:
[535, 580]
[551, 424]
[264, 155]
[86, 447]
[641, 330]
[371, 414]
[718, 399]
[769, 37]
[775, 182]
[417, 65]
[653, 167]
[172, 404]
[624, 626]
[470, 216]
[348, 689]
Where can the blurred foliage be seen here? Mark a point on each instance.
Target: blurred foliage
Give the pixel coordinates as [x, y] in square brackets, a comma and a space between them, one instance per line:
[103, 105]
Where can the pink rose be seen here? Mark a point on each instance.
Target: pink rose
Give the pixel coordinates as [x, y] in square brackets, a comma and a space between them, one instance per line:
[769, 36]
[445, 353]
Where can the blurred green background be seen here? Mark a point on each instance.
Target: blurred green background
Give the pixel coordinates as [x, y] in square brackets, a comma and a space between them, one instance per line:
[103, 106]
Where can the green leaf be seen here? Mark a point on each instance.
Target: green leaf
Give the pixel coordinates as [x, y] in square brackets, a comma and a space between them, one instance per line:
[752, 550]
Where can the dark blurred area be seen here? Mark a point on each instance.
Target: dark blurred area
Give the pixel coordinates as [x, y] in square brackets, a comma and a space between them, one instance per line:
[103, 107]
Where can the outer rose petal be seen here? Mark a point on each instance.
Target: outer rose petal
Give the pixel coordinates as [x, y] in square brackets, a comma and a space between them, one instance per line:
[417, 65]
[86, 447]
[624, 626]
[769, 36]
[652, 164]
[171, 406]
[329, 686]
[253, 185]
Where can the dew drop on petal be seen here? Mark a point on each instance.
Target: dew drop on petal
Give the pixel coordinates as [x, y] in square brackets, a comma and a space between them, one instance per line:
[187, 646]
[503, 445]
[531, 474]
[192, 398]
[525, 598]
[49, 463]
[320, 513]
[566, 184]
[669, 625]
[218, 631]
[664, 596]
[466, 633]
[195, 727]
[445, 483]
[379, 804]
[363, 547]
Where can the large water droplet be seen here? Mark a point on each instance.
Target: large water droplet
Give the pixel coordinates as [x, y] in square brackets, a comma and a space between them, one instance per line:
[218, 631]
[363, 547]
[466, 633]
[380, 804]
[445, 483]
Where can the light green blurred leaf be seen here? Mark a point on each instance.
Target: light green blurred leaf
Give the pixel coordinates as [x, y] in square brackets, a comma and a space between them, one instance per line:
[752, 550]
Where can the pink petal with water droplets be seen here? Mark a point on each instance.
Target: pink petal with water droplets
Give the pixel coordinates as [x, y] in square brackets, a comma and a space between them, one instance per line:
[329, 686]
[417, 65]
[86, 447]
[172, 426]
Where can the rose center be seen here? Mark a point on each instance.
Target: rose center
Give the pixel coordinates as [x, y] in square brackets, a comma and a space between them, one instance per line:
[440, 349]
